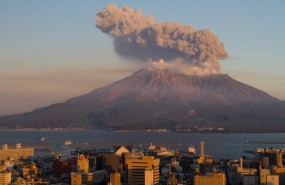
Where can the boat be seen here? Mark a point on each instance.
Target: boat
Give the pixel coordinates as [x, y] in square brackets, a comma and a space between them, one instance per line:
[67, 142]
[43, 138]
[151, 147]
[191, 149]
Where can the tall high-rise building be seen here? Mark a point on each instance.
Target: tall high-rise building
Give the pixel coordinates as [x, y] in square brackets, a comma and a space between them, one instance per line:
[263, 173]
[109, 162]
[115, 178]
[83, 164]
[279, 160]
[139, 168]
[148, 176]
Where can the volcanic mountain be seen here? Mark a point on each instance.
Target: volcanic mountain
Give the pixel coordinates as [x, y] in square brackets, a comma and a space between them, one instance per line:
[156, 98]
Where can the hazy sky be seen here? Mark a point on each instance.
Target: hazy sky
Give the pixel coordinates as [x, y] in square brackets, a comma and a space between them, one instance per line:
[51, 50]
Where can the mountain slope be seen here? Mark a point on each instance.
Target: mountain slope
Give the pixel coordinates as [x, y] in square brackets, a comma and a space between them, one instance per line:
[162, 99]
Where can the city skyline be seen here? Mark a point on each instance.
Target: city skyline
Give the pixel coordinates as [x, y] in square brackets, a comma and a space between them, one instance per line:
[52, 51]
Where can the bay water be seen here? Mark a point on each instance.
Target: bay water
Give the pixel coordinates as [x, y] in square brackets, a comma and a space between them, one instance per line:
[218, 145]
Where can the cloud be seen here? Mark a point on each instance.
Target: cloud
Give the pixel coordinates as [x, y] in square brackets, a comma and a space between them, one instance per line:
[140, 37]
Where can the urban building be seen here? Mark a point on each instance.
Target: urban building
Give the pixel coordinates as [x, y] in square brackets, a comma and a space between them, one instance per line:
[5, 178]
[214, 179]
[242, 172]
[15, 153]
[81, 178]
[31, 169]
[115, 178]
[272, 180]
[109, 162]
[139, 168]
[250, 180]
[83, 164]
[148, 176]
[263, 173]
[280, 171]
[60, 167]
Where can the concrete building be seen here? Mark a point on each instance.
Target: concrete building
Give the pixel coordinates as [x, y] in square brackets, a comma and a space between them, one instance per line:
[81, 178]
[280, 171]
[250, 180]
[263, 173]
[148, 176]
[115, 178]
[83, 164]
[30, 170]
[109, 162]
[15, 153]
[138, 169]
[5, 178]
[60, 167]
[214, 179]
[272, 180]
[241, 172]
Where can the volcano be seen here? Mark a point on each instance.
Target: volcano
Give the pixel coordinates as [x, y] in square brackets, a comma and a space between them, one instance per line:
[160, 98]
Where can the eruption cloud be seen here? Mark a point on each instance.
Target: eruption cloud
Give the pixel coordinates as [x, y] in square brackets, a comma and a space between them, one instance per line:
[139, 36]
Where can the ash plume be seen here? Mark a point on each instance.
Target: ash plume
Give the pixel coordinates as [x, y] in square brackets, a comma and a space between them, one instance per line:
[139, 36]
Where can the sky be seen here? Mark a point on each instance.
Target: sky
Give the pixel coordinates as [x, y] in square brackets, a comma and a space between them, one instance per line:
[51, 50]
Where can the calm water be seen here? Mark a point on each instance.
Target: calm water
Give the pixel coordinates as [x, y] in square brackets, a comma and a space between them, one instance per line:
[218, 145]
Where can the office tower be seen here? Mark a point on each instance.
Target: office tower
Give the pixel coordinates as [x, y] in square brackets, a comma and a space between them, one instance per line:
[263, 173]
[109, 162]
[140, 168]
[115, 178]
[279, 160]
[83, 164]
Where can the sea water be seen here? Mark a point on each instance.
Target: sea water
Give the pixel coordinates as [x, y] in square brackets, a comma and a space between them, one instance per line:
[218, 145]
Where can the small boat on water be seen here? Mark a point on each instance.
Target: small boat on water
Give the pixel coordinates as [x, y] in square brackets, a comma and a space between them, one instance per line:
[191, 149]
[43, 138]
[67, 142]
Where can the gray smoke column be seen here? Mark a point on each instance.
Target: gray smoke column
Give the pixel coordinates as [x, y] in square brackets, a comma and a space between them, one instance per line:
[139, 36]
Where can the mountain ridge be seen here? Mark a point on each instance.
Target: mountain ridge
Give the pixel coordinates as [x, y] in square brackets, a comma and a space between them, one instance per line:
[156, 98]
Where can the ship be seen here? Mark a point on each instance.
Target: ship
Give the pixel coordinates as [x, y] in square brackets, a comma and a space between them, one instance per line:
[191, 149]
[67, 142]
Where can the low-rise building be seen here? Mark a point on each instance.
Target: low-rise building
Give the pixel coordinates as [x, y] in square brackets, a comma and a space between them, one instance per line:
[81, 178]
[214, 179]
